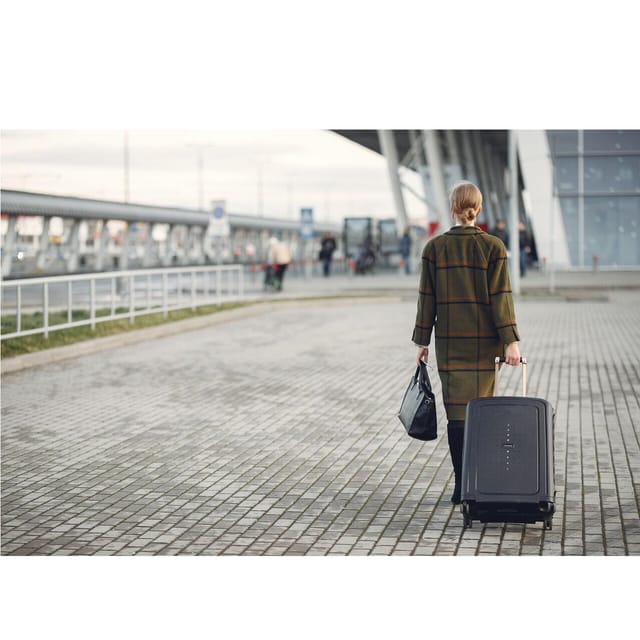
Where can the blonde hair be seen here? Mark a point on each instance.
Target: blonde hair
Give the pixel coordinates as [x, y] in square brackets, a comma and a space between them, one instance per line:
[465, 201]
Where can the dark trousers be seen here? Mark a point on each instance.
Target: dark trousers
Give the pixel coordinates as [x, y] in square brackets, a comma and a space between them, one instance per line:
[455, 436]
[326, 266]
[280, 269]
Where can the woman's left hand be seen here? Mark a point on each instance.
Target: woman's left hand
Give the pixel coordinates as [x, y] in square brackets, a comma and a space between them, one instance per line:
[423, 354]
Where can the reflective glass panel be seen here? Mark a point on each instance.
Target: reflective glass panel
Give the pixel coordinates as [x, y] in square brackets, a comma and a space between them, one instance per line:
[566, 174]
[569, 208]
[612, 174]
[611, 140]
[563, 141]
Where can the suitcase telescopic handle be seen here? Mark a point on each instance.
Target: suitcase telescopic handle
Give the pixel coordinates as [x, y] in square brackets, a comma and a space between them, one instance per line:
[523, 361]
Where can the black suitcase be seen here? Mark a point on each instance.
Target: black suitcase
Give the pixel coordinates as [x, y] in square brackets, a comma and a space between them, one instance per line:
[507, 459]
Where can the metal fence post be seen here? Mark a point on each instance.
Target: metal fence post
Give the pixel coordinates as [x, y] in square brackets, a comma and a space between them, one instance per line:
[46, 310]
[18, 309]
[219, 286]
[69, 301]
[240, 282]
[148, 291]
[131, 299]
[113, 296]
[92, 304]
[193, 291]
[165, 294]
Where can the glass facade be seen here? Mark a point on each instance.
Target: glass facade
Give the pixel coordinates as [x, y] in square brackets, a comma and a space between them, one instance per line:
[601, 207]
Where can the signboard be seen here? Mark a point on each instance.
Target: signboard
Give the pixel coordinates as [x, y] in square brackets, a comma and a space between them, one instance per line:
[218, 219]
[306, 224]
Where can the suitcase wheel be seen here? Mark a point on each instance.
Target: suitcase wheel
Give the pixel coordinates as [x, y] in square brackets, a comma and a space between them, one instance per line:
[466, 516]
[547, 524]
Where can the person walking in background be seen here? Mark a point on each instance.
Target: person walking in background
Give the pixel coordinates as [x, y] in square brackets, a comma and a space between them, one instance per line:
[465, 295]
[280, 258]
[327, 248]
[405, 250]
[500, 231]
[525, 247]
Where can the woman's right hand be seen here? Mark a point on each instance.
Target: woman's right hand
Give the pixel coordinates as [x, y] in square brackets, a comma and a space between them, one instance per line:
[423, 354]
[512, 354]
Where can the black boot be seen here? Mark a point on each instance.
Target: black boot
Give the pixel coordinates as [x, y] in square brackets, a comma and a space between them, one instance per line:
[455, 435]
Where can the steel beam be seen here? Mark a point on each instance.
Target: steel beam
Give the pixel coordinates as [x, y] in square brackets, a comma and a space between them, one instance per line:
[388, 146]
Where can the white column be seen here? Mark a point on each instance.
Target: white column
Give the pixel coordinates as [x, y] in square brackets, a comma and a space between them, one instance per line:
[44, 243]
[103, 243]
[514, 235]
[74, 246]
[148, 258]
[8, 245]
[537, 173]
[436, 173]
[124, 256]
[388, 146]
[580, 197]
[168, 246]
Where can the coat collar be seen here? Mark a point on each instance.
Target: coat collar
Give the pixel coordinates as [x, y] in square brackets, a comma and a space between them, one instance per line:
[464, 231]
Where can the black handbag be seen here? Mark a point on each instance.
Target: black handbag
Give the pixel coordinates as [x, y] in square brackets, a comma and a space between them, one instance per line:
[418, 409]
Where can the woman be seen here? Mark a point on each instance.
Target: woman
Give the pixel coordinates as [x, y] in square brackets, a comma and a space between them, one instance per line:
[465, 294]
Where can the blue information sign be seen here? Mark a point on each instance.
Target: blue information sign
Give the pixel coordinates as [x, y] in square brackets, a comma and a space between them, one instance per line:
[306, 224]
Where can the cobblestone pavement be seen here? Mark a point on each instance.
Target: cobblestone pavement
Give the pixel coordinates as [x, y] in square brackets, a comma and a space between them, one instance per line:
[277, 434]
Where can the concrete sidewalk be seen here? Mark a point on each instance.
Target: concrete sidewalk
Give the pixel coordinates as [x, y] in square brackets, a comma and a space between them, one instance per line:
[277, 434]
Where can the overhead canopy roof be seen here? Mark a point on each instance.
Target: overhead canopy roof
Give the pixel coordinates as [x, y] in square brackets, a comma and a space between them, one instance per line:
[369, 138]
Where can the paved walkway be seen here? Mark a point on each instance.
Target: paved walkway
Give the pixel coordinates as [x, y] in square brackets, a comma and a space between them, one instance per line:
[276, 434]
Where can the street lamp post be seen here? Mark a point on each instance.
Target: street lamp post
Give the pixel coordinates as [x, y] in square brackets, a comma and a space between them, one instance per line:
[200, 164]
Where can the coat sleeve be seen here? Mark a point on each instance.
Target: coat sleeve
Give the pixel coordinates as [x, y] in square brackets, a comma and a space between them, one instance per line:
[502, 309]
[426, 312]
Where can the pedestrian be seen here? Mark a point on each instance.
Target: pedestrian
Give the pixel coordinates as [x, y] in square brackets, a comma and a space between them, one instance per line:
[280, 258]
[465, 295]
[405, 250]
[525, 247]
[327, 247]
[500, 231]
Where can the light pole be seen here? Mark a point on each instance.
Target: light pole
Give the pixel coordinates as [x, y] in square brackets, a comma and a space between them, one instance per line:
[126, 166]
[200, 164]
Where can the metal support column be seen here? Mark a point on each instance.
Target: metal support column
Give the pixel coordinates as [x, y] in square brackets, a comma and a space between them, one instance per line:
[126, 243]
[471, 172]
[74, 246]
[514, 193]
[43, 245]
[454, 166]
[8, 246]
[148, 258]
[168, 246]
[388, 146]
[484, 181]
[580, 197]
[436, 173]
[103, 243]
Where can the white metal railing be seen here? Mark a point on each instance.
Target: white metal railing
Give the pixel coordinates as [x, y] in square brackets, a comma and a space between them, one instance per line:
[139, 292]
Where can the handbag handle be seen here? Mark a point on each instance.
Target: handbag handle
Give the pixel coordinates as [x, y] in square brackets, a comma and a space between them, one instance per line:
[422, 375]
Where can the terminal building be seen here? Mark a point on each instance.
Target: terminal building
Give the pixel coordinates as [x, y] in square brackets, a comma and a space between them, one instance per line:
[578, 195]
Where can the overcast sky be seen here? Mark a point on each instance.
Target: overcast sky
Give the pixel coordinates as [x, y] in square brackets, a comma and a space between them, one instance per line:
[273, 173]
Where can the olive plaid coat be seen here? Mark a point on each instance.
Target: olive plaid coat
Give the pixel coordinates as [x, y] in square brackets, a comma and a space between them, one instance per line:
[465, 294]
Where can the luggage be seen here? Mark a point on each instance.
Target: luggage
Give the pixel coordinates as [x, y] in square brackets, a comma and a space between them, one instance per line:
[507, 458]
[418, 409]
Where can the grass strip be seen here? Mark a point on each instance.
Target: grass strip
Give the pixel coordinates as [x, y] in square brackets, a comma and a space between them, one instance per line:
[58, 338]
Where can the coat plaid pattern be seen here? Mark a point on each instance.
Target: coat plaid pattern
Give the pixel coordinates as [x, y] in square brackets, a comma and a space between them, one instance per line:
[465, 295]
